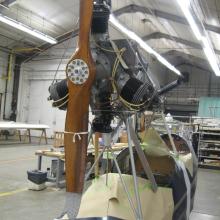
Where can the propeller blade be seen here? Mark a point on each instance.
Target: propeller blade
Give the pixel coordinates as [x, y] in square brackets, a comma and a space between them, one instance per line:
[80, 73]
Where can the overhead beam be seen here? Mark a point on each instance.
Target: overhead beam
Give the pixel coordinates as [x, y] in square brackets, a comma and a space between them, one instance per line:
[161, 14]
[189, 60]
[8, 50]
[187, 63]
[187, 57]
[9, 2]
[5, 49]
[182, 54]
[159, 35]
[136, 8]
[46, 46]
[6, 4]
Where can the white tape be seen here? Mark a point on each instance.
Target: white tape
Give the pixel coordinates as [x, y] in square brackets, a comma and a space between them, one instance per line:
[76, 134]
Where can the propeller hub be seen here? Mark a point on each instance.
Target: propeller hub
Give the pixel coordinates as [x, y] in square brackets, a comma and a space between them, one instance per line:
[78, 71]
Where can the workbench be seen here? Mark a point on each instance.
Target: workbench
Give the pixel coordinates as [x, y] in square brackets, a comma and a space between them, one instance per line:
[18, 127]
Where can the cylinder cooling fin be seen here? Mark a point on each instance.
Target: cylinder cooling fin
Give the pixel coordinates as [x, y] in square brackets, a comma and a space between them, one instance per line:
[136, 92]
[59, 94]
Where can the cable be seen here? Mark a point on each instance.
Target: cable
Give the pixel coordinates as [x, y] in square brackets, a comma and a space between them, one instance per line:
[119, 53]
[64, 53]
[104, 49]
[61, 98]
[62, 104]
[126, 103]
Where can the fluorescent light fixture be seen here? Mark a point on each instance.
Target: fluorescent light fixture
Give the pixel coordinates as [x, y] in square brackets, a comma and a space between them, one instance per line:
[185, 6]
[210, 54]
[207, 46]
[12, 3]
[130, 34]
[4, 6]
[27, 29]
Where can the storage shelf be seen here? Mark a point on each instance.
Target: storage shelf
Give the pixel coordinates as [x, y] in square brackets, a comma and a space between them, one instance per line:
[209, 166]
[211, 133]
[210, 141]
[207, 149]
[203, 129]
[210, 158]
[209, 155]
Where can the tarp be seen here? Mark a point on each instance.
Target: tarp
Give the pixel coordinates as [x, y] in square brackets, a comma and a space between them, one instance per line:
[209, 107]
[111, 200]
[153, 145]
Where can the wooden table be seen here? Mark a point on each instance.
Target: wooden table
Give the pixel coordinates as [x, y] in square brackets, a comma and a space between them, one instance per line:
[11, 125]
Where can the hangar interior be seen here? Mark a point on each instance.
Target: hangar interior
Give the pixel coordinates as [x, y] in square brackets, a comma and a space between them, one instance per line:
[178, 42]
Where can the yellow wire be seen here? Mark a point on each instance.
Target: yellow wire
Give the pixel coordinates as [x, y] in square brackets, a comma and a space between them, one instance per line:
[120, 52]
[61, 98]
[113, 81]
[107, 50]
[62, 104]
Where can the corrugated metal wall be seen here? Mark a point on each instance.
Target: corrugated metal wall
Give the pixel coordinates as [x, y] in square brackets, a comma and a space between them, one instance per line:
[201, 83]
[209, 107]
[3, 77]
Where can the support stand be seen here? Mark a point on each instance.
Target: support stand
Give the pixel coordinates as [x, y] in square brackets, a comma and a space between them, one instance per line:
[73, 199]
[108, 138]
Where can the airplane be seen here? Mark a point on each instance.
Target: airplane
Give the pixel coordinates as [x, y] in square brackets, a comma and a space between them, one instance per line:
[114, 79]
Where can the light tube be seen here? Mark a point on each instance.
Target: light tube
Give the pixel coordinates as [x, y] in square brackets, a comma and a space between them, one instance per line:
[207, 47]
[210, 56]
[130, 34]
[27, 29]
[4, 6]
[185, 5]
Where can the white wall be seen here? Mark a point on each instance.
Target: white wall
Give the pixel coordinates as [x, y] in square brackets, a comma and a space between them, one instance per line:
[35, 79]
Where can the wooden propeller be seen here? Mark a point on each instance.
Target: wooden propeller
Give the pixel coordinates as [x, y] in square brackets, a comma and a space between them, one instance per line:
[80, 73]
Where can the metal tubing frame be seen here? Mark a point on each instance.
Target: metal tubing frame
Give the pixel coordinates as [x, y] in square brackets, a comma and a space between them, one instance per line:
[96, 161]
[39, 162]
[138, 211]
[169, 134]
[124, 184]
[143, 159]
[134, 174]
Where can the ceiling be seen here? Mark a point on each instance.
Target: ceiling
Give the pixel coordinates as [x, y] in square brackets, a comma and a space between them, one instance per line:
[160, 23]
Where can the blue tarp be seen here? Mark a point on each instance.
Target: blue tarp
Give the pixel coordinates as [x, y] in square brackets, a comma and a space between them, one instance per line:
[209, 107]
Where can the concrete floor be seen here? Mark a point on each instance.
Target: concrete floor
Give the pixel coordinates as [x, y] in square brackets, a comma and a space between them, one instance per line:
[16, 202]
